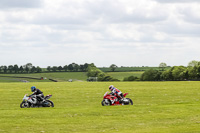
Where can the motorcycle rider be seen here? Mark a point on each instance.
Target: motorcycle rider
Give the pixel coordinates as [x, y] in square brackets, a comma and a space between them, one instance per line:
[116, 92]
[38, 93]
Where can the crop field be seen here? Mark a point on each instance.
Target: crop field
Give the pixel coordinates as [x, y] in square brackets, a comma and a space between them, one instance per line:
[158, 107]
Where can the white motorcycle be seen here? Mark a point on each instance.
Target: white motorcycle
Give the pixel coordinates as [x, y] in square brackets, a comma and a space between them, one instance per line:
[32, 101]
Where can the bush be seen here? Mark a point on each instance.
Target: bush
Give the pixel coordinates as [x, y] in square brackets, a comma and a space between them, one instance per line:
[151, 75]
[93, 71]
[130, 78]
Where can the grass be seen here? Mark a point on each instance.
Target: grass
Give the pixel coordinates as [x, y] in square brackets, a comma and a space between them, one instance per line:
[59, 76]
[122, 75]
[129, 69]
[63, 76]
[158, 107]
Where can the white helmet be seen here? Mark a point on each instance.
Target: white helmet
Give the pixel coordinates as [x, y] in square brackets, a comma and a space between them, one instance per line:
[111, 87]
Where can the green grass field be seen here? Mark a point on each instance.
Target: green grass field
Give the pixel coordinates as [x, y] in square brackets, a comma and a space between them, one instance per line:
[122, 75]
[164, 107]
[63, 76]
[129, 69]
[59, 76]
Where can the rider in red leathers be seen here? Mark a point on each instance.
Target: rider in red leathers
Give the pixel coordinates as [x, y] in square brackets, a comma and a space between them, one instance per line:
[116, 92]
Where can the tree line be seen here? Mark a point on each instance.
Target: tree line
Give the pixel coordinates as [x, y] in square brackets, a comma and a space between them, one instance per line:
[91, 69]
[73, 67]
[175, 73]
[28, 68]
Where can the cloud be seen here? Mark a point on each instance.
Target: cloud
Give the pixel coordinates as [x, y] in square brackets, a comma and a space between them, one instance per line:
[177, 1]
[124, 32]
[191, 14]
[7, 4]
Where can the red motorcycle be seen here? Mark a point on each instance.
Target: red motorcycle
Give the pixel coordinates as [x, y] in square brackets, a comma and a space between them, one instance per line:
[109, 99]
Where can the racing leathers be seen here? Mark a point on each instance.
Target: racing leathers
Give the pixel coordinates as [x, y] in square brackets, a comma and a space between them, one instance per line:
[116, 92]
[39, 95]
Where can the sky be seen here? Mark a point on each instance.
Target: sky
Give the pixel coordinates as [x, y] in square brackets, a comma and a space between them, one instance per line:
[103, 32]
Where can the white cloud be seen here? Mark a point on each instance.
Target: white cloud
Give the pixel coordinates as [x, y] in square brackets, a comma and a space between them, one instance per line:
[7, 4]
[124, 32]
[177, 1]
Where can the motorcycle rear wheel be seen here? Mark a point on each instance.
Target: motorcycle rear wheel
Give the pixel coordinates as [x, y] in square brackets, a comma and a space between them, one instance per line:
[103, 103]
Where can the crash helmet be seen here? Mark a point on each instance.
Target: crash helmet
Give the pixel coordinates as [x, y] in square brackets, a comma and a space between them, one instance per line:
[33, 88]
[111, 87]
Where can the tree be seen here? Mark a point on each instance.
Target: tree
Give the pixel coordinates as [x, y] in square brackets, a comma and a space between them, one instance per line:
[113, 67]
[162, 66]
[82, 68]
[65, 68]
[10, 68]
[16, 68]
[193, 63]
[49, 68]
[1, 68]
[86, 66]
[54, 68]
[194, 72]
[167, 75]
[70, 67]
[28, 67]
[76, 67]
[179, 72]
[5, 68]
[60, 68]
[93, 71]
[33, 69]
[73, 67]
[38, 69]
[21, 69]
[130, 78]
[151, 75]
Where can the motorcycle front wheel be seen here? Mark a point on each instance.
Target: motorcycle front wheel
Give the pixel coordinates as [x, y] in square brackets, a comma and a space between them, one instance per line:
[24, 105]
[106, 102]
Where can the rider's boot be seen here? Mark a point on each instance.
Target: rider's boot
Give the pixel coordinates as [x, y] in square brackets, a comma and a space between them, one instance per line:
[112, 101]
[120, 100]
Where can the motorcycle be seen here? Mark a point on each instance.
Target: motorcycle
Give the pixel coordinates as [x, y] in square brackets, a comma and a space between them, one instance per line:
[109, 99]
[29, 100]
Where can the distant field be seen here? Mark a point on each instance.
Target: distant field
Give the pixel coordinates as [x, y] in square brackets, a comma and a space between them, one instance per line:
[59, 76]
[128, 69]
[159, 107]
[62, 76]
[13, 79]
[122, 75]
